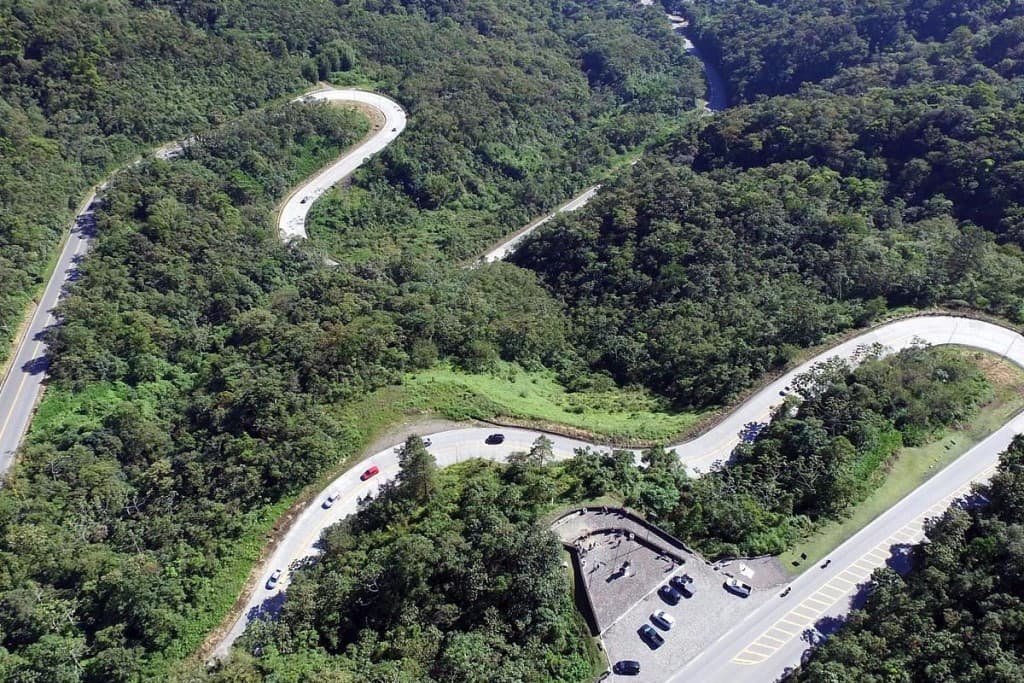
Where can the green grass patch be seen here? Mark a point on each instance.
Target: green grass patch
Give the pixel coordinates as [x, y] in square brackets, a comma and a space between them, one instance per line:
[914, 466]
[61, 410]
[513, 392]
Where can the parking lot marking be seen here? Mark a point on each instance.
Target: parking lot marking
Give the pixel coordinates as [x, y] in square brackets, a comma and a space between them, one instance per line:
[798, 612]
[761, 646]
[831, 592]
[785, 620]
[821, 601]
[851, 582]
[780, 641]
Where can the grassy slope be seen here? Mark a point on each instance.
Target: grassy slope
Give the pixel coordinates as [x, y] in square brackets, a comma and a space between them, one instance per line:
[916, 465]
[617, 414]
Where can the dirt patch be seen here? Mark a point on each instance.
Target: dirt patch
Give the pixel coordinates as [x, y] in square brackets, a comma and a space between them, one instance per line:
[1000, 372]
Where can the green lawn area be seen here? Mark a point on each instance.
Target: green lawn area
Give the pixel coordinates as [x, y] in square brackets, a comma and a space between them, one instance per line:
[916, 465]
[621, 414]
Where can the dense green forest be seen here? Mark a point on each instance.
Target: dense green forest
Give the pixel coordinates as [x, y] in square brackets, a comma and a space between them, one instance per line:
[83, 86]
[200, 364]
[893, 181]
[539, 97]
[195, 376]
[956, 616]
[439, 578]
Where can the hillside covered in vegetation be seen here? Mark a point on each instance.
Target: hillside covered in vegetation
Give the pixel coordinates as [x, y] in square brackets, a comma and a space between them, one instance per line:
[200, 367]
[888, 181]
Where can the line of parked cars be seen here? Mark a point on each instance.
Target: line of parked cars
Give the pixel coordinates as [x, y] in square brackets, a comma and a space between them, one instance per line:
[672, 592]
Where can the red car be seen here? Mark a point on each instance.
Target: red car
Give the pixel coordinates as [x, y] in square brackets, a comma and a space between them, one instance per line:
[373, 471]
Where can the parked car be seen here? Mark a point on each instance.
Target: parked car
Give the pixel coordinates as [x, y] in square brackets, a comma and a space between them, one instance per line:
[331, 499]
[663, 620]
[669, 594]
[370, 472]
[683, 584]
[627, 667]
[651, 637]
[494, 439]
[736, 586]
[272, 581]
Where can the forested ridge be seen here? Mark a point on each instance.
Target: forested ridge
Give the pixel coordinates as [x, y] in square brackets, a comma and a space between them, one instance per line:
[888, 181]
[200, 364]
[196, 373]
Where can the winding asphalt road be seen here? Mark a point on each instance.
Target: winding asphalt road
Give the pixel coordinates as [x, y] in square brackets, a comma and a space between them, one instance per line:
[758, 649]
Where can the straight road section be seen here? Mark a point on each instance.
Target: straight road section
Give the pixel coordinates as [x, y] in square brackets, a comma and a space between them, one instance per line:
[24, 382]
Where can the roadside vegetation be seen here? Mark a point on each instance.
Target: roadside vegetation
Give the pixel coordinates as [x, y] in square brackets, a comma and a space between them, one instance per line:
[914, 465]
[438, 578]
[826, 449]
[595, 405]
[202, 371]
[956, 615]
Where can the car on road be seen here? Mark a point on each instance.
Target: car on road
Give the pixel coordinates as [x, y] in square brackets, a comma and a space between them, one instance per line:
[427, 442]
[663, 620]
[304, 200]
[734, 585]
[272, 581]
[331, 499]
[683, 584]
[627, 667]
[370, 472]
[651, 637]
[494, 439]
[669, 594]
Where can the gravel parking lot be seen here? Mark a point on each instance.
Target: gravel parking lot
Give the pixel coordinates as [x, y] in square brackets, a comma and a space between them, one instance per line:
[624, 562]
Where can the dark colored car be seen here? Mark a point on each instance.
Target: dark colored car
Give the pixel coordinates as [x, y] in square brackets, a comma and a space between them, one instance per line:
[627, 667]
[494, 439]
[683, 584]
[371, 472]
[669, 595]
[651, 637]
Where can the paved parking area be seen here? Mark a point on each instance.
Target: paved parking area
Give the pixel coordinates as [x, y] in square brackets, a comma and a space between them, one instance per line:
[624, 563]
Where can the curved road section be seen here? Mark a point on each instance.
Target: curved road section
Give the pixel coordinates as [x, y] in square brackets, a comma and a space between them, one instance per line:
[292, 221]
[725, 660]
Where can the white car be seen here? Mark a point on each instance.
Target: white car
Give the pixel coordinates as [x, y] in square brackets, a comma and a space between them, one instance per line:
[331, 499]
[663, 619]
[272, 581]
